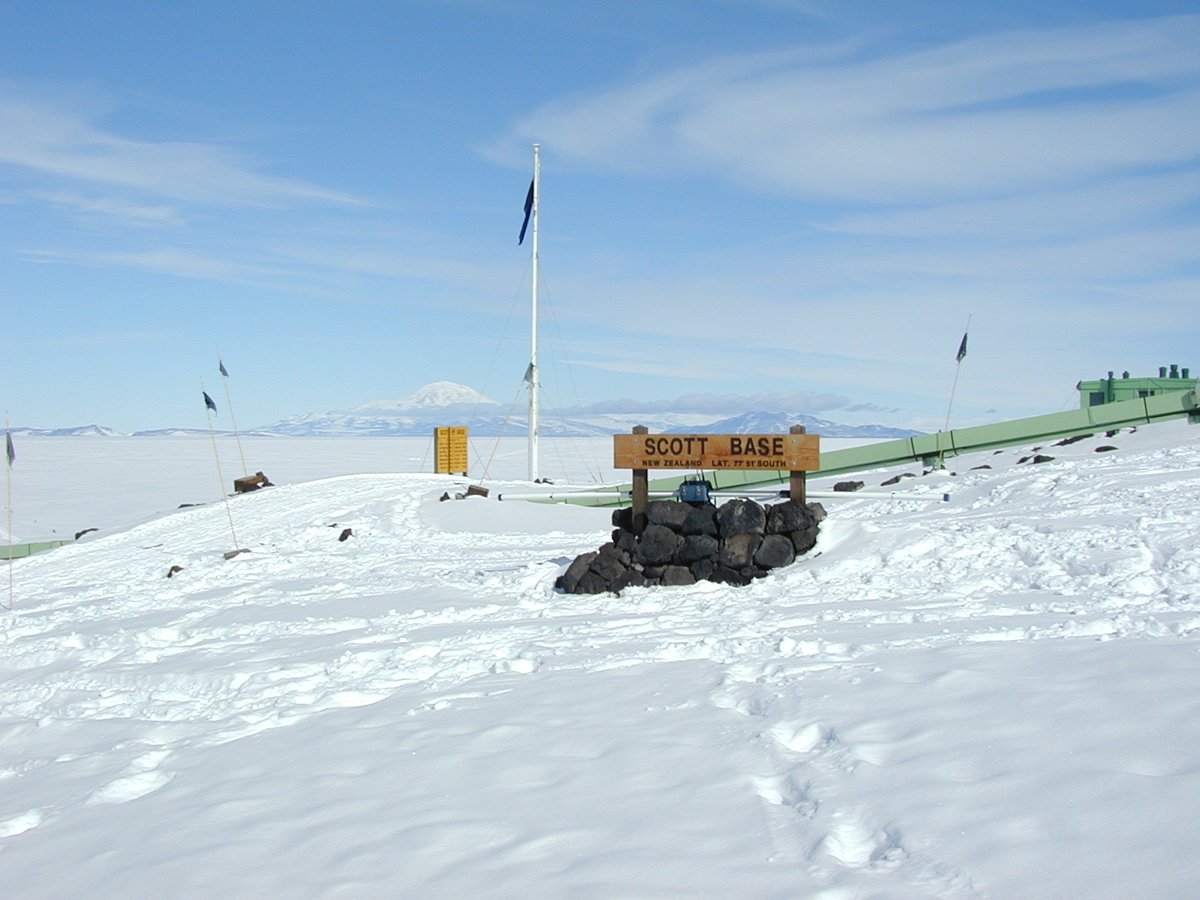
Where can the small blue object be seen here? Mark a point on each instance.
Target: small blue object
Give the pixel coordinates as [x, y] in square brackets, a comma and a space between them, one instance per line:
[694, 490]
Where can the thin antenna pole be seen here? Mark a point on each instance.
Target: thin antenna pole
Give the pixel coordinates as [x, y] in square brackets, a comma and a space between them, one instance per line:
[957, 367]
[217, 458]
[8, 507]
[534, 375]
[229, 403]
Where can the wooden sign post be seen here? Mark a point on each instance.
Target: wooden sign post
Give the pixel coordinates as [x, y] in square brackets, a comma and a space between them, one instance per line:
[640, 484]
[796, 453]
[798, 479]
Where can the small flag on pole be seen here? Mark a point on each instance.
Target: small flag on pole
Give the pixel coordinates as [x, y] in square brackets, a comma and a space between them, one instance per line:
[221, 366]
[9, 452]
[529, 374]
[208, 402]
[528, 210]
[962, 349]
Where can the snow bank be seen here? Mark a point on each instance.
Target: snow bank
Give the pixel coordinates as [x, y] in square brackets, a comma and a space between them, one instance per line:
[992, 698]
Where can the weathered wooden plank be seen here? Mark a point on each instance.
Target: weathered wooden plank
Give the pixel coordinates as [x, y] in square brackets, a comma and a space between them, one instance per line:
[788, 452]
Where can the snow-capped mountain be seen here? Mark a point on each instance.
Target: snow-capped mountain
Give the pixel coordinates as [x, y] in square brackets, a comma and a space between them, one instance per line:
[437, 396]
[439, 403]
[448, 403]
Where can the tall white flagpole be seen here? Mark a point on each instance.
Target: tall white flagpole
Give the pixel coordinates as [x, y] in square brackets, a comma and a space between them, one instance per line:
[534, 375]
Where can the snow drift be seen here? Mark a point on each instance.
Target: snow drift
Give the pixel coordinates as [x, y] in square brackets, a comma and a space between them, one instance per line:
[994, 698]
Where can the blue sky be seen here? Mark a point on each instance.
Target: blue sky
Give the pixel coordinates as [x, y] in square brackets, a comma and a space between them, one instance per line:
[763, 204]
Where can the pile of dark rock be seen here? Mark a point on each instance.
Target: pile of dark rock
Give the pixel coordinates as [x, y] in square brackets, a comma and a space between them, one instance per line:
[682, 543]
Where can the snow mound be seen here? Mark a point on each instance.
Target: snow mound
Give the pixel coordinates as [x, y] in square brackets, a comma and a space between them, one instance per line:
[992, 698]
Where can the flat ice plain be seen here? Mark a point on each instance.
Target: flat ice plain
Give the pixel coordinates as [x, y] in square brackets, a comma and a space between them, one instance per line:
[990, 698]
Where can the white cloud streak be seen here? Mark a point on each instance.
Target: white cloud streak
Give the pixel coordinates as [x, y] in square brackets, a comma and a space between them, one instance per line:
[47, 138]
[1045, 180]
[983, 117]
[107, 207]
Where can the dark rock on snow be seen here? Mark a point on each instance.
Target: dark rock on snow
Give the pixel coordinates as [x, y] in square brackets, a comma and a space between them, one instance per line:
[737, 551]
[569, 580]
[775, 551]
[656, 545]
[684, 543]
[670, 513]
[740, 516]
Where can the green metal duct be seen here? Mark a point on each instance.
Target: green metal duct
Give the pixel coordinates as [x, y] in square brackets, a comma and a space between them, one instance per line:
[930, 448]
[20, 551]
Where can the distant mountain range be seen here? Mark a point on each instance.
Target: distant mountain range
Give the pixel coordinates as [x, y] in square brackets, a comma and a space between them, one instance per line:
[448, 403]
[774, 423]
[77, 431]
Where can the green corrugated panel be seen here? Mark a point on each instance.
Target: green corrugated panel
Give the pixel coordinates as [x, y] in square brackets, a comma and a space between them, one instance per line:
[20, 551]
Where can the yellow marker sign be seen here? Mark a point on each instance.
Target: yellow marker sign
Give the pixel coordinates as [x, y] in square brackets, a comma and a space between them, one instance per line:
[450, 449]
[788, 452]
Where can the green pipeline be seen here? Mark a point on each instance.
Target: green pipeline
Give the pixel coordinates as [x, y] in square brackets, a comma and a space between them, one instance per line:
[928, 449]
[20, 551]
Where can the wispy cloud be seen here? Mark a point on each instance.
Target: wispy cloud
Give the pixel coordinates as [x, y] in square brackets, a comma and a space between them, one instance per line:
[51, 138]
[1044, 180]
[107, 207]
[1119, 202]
[984, 116]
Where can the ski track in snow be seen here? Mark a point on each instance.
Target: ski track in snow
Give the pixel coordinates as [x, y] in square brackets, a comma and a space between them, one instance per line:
[304, 623]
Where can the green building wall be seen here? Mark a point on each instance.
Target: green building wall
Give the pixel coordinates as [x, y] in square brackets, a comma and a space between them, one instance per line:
[1114, 390]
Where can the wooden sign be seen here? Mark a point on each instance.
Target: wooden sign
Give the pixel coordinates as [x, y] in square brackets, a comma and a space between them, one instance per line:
[789, 452]
[450, 449]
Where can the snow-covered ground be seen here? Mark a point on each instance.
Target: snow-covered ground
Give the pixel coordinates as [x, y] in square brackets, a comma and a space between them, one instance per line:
[62, 485]
[995, 697]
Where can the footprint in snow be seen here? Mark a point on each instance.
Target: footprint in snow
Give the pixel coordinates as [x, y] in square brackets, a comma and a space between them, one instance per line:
[799, 737]
[21, 823]
[146, 777]
[785, 790]
[855, 843]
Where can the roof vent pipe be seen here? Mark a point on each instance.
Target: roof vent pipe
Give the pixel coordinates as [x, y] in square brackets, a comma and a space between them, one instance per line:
[1187, 373]
[1125, 374]
[1174, 370]
[1162, 371]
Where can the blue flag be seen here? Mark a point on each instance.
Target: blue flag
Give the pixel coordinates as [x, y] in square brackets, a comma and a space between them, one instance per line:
[221, 366]
[962, 349]
[208, 402]
[8, 449]
[528, 210]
